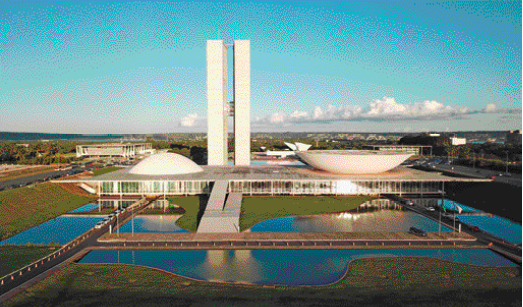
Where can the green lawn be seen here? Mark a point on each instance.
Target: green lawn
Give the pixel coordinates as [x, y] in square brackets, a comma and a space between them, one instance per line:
[102, 171]
[368, 282]
[26, 207]
[191, 205]
[257, 209]
[14, 257]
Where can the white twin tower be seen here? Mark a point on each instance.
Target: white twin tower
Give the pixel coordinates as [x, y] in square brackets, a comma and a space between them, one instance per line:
[218, 106]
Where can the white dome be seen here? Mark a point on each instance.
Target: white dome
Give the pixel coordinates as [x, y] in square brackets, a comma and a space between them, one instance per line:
[353, 161]
[165, 164]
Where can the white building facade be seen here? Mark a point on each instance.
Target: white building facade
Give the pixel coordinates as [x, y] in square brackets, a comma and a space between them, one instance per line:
[219, 109]
[112, 150]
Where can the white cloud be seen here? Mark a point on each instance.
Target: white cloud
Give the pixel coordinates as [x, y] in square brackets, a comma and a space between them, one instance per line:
[191, 120]
[490, 108]
[380, 109]
[493, 108]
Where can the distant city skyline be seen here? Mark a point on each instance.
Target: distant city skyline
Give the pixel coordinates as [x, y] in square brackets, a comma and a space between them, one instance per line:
[128, 67]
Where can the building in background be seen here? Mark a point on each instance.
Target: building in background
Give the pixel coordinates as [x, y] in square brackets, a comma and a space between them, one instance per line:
[458, 141]
[421, 150]
[125, 150]
[218, 106]
[513, 137]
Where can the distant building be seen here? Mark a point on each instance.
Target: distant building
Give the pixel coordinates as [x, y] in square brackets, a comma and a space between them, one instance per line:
[458, 141]
[426, 139]
[513, 137]
[113, 150]
[286, 153]
[408, 149]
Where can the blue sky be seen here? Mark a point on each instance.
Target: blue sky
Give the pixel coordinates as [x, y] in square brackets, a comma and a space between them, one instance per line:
[362, 66]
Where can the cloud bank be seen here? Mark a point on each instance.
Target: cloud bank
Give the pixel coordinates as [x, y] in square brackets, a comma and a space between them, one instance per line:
[385, 109]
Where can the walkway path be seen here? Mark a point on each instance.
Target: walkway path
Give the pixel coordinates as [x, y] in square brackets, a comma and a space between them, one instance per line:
[221, 217]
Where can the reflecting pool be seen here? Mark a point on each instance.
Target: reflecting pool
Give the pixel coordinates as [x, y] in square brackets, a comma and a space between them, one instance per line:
[85, 208]
[381, 220]
[59, 230]
[152, 223]
[447, 204]
[495, 225]
[275, 267]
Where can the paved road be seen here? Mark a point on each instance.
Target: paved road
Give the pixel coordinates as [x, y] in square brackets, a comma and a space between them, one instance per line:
[286, 244]
[27, 180]
[13, 281]
[514, 179]
[483, 237]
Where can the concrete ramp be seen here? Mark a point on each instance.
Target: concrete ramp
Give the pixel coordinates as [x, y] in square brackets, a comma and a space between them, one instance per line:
[219, 217]
[218, 194]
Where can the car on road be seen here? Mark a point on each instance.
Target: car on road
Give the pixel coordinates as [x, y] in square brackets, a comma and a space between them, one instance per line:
[474, 228]
[417, 232]
[491, 177]
[430, 209]
[99, 225]
[507, 174]
[409, 202]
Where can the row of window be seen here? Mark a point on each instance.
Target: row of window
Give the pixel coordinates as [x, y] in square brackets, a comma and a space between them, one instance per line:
[271, 187]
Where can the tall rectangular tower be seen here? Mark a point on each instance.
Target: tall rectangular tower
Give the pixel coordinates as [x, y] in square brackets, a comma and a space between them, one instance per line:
[216, 102]
[242, 102]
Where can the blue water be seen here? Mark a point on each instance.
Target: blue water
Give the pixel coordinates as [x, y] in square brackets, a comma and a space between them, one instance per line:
[452, 205]
[382, 220]
[495, 225]
[85, 208]
[152, 223]
[59, 230]
[276, 267]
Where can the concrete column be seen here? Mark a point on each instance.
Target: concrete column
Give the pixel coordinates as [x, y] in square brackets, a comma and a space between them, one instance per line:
[242, 102]
[216, 102]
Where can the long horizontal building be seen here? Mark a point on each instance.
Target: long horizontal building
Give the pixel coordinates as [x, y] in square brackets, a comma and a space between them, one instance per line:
[112, 150]
[172, 174]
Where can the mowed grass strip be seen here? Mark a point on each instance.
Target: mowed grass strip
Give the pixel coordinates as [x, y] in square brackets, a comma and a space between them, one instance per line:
[106, 170]
[14, 257]
[400, 281]
[23, 208]
[256, 209]
[191, 205]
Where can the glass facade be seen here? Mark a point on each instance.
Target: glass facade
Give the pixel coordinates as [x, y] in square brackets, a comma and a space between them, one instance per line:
[267, 187]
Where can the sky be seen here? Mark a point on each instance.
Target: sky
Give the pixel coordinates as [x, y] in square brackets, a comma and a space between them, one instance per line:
[354, 66]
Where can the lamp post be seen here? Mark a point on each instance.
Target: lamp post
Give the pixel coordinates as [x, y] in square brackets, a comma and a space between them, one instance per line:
[441, 205]
[506, 168]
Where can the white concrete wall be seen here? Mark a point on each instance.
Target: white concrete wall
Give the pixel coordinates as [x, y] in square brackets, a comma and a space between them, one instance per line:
[242, 102]
[216, 102]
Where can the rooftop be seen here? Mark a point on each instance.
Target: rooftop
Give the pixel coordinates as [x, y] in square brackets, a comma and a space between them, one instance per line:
[276, 173]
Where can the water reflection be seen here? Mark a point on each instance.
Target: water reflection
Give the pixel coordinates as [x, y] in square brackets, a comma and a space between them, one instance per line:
[153, 223]
[59, 230]
[380, 220]
[495, 225]
[447, 204]
[276, 267]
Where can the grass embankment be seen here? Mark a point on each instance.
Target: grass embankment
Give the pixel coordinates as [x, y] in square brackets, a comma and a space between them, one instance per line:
[257, 209]
[191, 205]
[26, 207]
[106, 170]
[368, 282]
[14, 257]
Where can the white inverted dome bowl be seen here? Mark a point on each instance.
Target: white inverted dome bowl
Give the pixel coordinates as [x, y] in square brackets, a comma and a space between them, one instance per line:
[353, 161]
[165, 164]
